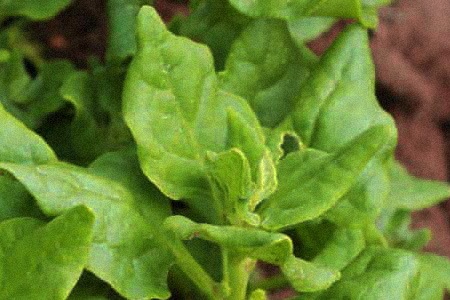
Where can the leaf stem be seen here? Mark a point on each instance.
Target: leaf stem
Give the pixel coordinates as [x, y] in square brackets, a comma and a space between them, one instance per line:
[193, 269]
[236, 270]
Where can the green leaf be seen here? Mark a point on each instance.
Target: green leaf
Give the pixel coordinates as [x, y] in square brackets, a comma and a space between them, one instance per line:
[335, 105]
[126, 252]
[26, 146]
[214, 23]
[310, 183]
[122, 16]
[408, 192]
[344, 246]
[363, 11]
[273, 67]
[377, 274]
[44, 261]
[274, 248]
[306, 29]
[36, 10]
[176, 122]
[32, 100]
[342, 82]
[97, 125]
[433, 278]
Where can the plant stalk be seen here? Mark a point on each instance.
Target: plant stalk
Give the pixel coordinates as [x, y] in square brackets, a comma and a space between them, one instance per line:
[237, 270]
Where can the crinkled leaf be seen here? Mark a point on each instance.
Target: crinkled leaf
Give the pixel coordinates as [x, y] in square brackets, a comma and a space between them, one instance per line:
[125, 251]
[44, 261]
[36, 10]
[408, 192]
[214, 23]
[309, 188]
[273, 67]
[275, 248]
[175, 121]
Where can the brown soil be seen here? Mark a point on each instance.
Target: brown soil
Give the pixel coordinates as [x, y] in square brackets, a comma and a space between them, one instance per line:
[412, 58]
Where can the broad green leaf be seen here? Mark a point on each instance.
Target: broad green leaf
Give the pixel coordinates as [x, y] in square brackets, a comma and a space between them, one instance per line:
[337, 102]
[335, 105]
[309, 186]
[364, 11]
[274, 248]
[19, 144]
[408, 192]
[44, 261]
[273, 67]
[122, 23]
[214, 23]
[176, 122]
[377, 273]
[36, 10]
[126, 251]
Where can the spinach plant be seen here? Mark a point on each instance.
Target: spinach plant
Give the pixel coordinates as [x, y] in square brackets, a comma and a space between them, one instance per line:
[201, 149]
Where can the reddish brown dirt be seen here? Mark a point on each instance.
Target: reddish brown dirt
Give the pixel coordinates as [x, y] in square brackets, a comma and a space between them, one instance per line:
[412, 58]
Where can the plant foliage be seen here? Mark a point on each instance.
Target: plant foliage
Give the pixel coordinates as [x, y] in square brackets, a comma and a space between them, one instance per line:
[200, 148]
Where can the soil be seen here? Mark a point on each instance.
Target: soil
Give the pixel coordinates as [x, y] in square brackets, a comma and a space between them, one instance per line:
[411, 52]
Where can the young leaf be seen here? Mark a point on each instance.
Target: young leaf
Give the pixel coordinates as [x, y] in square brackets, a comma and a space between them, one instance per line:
[274, 248]
[176, 122]
[125, 251]
[309, 188]
[37, 10]
[44, 261]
